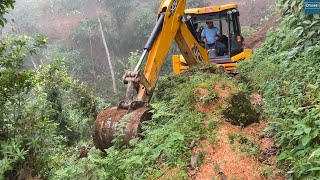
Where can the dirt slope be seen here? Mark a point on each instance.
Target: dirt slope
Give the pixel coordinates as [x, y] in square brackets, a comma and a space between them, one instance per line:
[251, 11]
[257, 38]
[225, 158]
[58, 27]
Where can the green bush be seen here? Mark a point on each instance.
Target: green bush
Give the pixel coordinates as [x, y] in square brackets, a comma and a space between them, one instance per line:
[43, 111]
[246, 31]
[5, 5]
[240, 111]
[286, 71]
[165, 139]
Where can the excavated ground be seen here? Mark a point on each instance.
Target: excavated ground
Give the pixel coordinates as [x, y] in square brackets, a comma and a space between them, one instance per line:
[224, 160]
[256, 39]
[221, 160]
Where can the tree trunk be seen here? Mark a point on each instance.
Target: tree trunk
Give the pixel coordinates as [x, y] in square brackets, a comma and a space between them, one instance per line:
[33, 62]
[92, 61]
[108, 56]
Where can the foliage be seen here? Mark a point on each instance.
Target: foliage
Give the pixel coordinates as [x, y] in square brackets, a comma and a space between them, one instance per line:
[45, 115]
[210, 96]
[84, 69]
[120, 9]
[165, 139]
[5, 5]
[13, 79]
[246, 31]
[240, 111]
[133, 59]
[66, 5]
[84, 31]
[127, 25]
[244, 145]
[42, 110]
[71, 58]
[25, 17]
[286, 70]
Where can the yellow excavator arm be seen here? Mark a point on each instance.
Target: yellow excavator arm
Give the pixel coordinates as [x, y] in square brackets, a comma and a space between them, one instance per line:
[171, 25]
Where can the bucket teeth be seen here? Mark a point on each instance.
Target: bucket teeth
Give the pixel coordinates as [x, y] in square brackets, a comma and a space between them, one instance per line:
[106, 125]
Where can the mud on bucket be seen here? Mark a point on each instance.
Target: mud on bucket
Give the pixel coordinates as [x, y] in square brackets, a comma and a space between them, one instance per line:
[107, 123]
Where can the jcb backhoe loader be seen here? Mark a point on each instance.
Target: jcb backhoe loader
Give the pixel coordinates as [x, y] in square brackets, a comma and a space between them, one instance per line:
[184, 26]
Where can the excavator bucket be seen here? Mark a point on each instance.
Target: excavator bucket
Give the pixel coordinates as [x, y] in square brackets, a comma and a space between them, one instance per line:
[116, 120]
[124, 121]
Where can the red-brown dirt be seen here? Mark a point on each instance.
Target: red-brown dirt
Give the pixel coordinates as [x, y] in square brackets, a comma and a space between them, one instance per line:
[58, 26]
[251, 11]
[221, 161]
[256, 39]
[221, 158]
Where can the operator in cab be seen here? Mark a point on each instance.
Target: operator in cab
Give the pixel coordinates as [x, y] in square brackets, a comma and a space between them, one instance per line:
[211, 35]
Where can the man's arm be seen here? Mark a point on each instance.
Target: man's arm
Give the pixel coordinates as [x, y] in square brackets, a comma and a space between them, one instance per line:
[203, 36]
[218, 34]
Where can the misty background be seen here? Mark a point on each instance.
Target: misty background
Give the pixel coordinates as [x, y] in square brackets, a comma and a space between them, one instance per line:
[75, 36]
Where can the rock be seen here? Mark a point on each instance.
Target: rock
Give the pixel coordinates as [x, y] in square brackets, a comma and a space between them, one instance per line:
[222, 176]
[83, 152]
[192, 144]
[194, 160]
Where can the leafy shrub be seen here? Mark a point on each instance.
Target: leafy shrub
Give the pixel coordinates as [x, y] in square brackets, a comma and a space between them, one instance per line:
[5, 5]
[175, 124]
[247, 31]
[240, 111]
[244, 145]
[286, 71]
[42, 111]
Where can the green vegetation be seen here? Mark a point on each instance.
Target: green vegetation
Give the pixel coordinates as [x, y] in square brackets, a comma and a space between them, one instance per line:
[210, 96]
[126, 25]
[5, 5]
[47, 119]
[240, 111]
[175, 124]
[243, 145]
[46, 110]
[286, 71]
[43, 111]
[65, 5]
[246, 31]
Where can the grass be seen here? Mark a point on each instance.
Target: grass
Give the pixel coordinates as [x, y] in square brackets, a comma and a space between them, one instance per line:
[285, 71]
[243, 145]
[164, 147]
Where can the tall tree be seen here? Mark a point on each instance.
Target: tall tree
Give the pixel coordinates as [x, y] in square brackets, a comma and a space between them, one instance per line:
[108, 56]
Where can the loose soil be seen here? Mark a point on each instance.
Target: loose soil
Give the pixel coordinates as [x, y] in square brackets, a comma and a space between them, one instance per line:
[251, 11]
[221, 160]
[59, 26]
[256, 39]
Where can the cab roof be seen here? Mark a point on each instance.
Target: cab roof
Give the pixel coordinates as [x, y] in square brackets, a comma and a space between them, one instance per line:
[210, 9]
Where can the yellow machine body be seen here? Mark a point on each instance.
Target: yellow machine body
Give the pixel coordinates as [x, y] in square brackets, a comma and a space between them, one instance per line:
[210, 9]
[174, 23]
[179, 63]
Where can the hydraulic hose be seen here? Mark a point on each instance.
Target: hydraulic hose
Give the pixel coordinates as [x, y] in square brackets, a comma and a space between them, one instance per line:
[152, 38]
[155, 32]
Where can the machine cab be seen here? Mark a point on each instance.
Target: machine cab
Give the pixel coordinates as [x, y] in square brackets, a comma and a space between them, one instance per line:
[226, 19]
